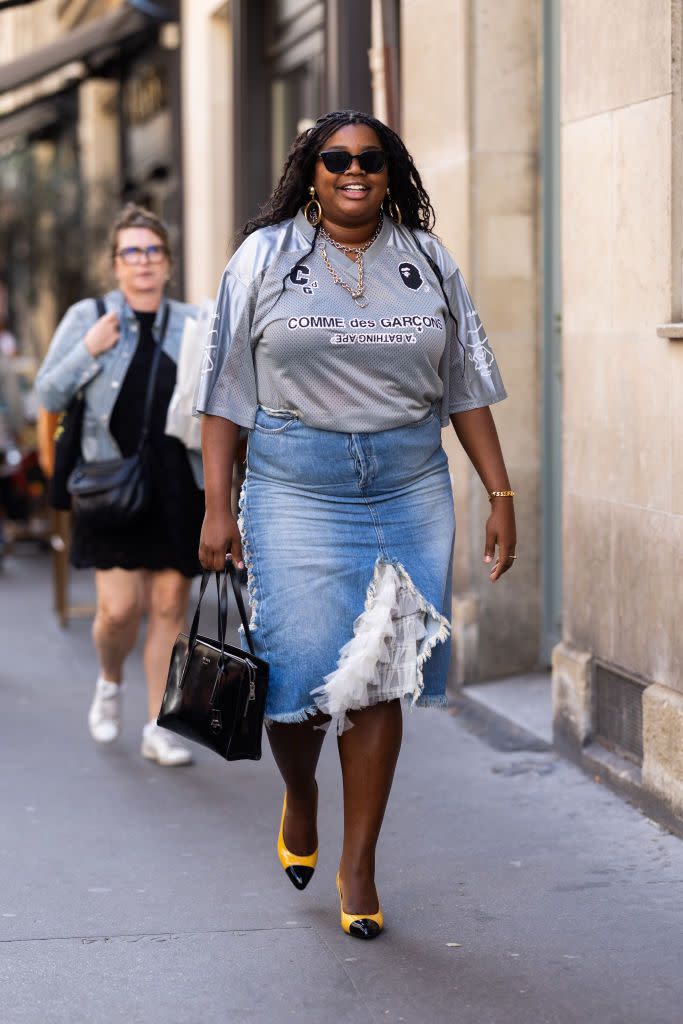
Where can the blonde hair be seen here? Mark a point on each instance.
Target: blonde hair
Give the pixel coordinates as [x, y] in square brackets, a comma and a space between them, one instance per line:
[134, 216]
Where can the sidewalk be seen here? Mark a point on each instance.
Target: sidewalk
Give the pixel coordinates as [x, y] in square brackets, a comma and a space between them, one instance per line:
[516, 890]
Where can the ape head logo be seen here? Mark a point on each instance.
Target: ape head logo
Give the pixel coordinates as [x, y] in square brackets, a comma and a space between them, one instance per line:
[410, 275]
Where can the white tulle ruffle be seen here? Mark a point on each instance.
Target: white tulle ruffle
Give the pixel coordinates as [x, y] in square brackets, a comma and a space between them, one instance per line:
[391, 641]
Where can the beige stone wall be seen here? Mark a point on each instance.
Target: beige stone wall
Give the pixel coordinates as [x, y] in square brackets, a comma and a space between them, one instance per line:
[623, 495]
[99, 160]
[25, 28]
[470, 115]
[207, 142]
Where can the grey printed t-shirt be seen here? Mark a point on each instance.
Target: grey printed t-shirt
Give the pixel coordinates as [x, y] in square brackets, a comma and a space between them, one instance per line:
[308, 347]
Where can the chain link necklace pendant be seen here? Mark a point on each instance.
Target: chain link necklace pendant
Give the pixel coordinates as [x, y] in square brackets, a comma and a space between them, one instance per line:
[357, 294]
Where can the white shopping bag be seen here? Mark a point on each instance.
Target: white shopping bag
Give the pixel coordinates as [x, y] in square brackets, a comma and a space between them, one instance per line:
[180, 422]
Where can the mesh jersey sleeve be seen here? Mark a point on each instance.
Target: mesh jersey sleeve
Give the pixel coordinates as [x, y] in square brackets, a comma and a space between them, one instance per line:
[470, 373]
[227, 383]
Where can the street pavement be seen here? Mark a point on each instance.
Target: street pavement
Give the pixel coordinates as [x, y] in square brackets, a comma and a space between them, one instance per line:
[516, 890]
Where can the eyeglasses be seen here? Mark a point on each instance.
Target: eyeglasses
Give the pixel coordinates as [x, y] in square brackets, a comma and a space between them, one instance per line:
[132, 254]
[336, 161]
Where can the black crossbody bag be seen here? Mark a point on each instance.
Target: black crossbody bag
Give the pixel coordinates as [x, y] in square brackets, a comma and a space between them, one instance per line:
[113, 493]
[216, 693]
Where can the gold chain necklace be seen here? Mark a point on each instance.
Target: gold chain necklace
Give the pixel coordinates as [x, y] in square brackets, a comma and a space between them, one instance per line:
[357, 293]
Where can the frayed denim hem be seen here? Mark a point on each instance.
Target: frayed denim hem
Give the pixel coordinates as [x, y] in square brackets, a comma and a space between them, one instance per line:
[425, 700]
[291, 717]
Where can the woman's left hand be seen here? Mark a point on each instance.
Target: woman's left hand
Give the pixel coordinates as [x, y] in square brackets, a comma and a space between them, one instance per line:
[501, 530]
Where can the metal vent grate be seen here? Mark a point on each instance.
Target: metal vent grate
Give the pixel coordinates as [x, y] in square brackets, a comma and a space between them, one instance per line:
[619, 712]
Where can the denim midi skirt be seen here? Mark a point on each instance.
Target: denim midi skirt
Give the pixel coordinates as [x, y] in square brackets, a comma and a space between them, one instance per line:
[348, 543]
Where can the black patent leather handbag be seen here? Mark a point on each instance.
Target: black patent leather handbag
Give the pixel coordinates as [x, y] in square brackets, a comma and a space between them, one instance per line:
[216, 693]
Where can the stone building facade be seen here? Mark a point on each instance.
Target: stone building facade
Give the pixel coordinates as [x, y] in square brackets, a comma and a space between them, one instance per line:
[619, 671]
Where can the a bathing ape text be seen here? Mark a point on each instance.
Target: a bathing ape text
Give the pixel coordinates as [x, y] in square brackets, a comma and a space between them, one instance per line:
[373, 339]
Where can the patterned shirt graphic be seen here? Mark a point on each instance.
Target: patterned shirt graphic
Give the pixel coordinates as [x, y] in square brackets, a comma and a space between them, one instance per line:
[286, 337]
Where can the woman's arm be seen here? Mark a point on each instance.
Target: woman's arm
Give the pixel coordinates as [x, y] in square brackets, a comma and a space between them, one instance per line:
[71, 361]
[478, 435]
[220, 534]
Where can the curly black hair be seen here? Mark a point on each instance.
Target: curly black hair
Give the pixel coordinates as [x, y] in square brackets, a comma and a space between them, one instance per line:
[291, 192]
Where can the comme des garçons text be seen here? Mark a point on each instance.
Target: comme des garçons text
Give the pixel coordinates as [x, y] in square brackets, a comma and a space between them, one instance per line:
[339, 323]
[363, 329]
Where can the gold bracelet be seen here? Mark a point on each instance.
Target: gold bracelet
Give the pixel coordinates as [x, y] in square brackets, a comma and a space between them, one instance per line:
[501, 494]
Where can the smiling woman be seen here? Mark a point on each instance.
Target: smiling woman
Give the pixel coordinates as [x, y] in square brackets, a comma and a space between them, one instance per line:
[345, 339]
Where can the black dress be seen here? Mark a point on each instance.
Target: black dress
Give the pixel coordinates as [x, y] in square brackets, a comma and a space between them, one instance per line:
[167, 537]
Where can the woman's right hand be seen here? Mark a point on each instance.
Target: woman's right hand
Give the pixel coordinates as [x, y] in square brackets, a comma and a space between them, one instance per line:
[220, 537]
[103, 334]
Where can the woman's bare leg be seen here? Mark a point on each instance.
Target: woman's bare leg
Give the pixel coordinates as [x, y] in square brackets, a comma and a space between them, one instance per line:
[368, 753]
[296, 748]
[117, 618]
[168, 593]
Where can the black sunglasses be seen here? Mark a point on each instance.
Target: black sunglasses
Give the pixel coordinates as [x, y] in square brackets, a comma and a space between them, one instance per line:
[336, 161]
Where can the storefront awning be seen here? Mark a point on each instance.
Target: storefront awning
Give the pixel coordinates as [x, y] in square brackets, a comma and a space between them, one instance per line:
[91, 43]
[29, 120]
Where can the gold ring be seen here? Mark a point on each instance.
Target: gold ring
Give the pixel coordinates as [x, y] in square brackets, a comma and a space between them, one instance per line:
[512, 556]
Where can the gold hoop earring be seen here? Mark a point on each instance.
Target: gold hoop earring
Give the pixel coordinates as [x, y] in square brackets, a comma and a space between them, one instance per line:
[393, 208]
[313, 211]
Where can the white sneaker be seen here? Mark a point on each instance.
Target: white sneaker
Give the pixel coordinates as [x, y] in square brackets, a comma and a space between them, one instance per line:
[104, 717]
[161, 746]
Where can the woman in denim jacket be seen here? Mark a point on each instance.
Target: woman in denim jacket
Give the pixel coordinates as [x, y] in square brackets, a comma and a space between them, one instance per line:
[149, 566]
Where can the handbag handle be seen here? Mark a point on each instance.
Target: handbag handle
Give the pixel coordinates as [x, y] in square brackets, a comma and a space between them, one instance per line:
[221, 590]
[231, 571]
